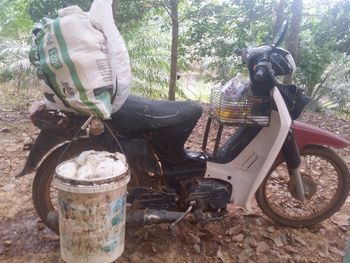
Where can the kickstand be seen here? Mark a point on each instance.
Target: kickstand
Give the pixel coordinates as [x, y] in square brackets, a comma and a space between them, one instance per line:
[189, 209]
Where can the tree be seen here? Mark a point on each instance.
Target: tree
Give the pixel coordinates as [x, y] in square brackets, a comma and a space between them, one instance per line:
[171, 7]
[337, 21]
[323, 65]
[216, 29]
[149, 56]
[292, 41]
[174, 15]
[165, 36]
[131, 14]
[278, 15]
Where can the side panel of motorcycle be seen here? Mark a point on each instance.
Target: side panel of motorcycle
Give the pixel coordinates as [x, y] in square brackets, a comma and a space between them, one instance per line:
[246, 172]
[307, 134]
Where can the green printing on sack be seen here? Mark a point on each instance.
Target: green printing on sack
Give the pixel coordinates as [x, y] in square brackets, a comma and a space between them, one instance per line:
[72, 70]
[50, 74]
[35, 60]
[54, 60]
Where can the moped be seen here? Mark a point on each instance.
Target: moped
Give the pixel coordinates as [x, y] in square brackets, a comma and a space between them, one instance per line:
[296, 178]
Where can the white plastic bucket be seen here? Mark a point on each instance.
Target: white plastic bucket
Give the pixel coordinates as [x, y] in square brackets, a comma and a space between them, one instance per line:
[91, 217]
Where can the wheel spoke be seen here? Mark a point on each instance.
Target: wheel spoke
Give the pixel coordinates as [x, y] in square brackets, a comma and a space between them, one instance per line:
[279, 183]
[320, 175]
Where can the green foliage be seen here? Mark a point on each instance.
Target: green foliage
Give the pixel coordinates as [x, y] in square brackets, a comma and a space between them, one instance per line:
[15, 29]
[314, 57]
[149, 56]
[14, 19]
[15, 67]
[336, 22]
[48, 8]
[210, 31]
[323, 63]
[129, 13]
[333, 89]
[132, 14]
[216, 29]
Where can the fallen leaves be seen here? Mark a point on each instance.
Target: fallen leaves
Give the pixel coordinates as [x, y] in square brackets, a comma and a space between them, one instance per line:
[221, 256]
[340, 219]
[242, 237]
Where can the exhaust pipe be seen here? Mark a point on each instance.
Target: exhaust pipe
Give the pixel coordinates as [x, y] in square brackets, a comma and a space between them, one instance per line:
[151, 216]
[135, 217]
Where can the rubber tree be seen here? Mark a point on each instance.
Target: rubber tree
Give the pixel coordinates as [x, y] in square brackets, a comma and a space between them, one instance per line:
[292, 41]
[172, 8]
[174, 14]
[279, 15]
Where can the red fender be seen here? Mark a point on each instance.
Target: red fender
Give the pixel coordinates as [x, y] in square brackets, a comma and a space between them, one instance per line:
[306, 134]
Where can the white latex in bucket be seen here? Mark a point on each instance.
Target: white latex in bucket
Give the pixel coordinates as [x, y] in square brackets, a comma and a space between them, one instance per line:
[92, 207]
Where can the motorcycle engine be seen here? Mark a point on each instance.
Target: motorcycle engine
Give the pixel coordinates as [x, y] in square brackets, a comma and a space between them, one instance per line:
[208, 194]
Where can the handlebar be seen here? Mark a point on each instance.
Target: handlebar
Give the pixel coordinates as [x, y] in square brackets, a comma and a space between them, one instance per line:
[263, 70]
[260, 73]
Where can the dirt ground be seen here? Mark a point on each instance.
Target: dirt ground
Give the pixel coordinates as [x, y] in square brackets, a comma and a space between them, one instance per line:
[240, 237]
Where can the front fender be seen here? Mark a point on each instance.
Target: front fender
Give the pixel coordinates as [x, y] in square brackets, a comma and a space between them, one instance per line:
[306, 134]
[44, 143]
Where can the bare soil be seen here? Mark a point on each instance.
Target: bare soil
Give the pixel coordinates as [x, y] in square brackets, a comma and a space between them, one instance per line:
[241, 237]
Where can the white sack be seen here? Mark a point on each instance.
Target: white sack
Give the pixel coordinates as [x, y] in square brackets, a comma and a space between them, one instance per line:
[81, 56]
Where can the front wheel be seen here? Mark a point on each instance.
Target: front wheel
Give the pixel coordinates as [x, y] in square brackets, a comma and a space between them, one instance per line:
[324, 175]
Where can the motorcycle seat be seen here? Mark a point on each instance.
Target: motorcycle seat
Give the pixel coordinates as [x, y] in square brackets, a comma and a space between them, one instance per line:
[139, 114]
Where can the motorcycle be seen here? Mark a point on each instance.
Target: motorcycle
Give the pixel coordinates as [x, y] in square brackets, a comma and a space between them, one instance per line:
[287, 165]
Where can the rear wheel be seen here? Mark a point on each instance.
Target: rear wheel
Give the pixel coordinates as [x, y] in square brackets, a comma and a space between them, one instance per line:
[326, 180]
[44, 193]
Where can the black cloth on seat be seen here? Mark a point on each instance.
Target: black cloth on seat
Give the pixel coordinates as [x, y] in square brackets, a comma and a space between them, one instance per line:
[140, 114]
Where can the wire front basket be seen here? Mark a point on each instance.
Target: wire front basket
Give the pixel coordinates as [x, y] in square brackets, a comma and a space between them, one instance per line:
[247, 110]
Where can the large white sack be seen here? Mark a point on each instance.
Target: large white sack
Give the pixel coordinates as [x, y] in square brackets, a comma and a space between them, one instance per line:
[74, 56]
[82, 56]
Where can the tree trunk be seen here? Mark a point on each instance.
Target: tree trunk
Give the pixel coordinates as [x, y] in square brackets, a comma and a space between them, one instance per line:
[293, 35]
[279, 15]
[174, 44]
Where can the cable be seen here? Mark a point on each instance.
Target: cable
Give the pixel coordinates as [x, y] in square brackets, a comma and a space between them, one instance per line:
[115, 138]
[82, 128]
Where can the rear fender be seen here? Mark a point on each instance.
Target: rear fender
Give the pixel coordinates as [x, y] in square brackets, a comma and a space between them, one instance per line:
[46, 141]
[306, 134]
[49, 142]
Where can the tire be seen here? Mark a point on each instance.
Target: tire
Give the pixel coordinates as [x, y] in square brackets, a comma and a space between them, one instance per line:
[272, 184]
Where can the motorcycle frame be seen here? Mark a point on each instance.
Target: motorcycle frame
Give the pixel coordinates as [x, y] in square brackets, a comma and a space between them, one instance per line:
[246, 172]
